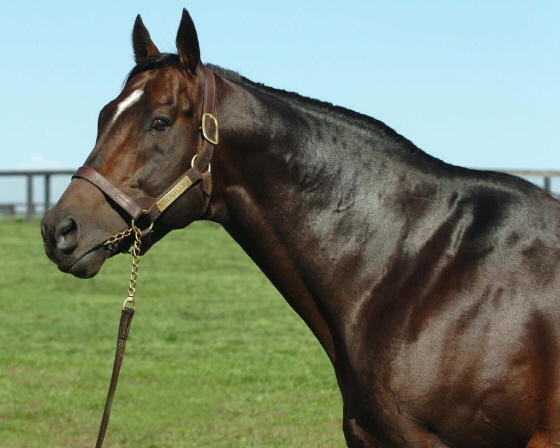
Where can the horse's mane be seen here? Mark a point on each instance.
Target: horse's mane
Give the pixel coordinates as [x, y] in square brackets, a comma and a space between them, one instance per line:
[365, 122]
[293, 98]
[357, 120]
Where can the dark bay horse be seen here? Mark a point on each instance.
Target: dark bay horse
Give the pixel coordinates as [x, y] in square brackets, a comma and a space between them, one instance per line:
[433, 289]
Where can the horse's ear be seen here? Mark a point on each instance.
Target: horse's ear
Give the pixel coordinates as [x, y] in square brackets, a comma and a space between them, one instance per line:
[142, 42]
[187, 43]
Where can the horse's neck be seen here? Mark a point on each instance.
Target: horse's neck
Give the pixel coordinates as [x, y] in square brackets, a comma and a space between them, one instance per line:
[303, 197]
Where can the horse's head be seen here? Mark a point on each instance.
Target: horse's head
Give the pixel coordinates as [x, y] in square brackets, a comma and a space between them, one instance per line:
[150, 162]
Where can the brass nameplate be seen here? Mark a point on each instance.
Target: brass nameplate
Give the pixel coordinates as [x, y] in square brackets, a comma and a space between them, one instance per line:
[174, 193]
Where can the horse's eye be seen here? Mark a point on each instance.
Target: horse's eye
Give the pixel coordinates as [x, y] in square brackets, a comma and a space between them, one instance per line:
[160, 125]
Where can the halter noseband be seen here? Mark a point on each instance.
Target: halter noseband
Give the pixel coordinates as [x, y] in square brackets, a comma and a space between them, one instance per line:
[146, 210]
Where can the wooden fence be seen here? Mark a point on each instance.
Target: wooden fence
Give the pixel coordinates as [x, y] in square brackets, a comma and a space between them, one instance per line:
[31, 205]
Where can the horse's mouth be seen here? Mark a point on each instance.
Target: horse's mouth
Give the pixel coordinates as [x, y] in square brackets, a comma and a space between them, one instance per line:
[89, 263]
[86, 265]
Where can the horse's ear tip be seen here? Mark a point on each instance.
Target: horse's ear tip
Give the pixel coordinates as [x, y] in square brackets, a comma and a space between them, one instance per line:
[138, 21]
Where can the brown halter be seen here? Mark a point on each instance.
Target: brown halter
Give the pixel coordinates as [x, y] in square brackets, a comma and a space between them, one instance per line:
[146, 210]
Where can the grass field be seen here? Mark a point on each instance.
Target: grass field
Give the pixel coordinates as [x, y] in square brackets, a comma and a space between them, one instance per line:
[215, 358]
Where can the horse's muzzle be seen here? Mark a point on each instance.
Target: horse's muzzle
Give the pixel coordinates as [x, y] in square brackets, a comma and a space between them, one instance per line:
[62, 238]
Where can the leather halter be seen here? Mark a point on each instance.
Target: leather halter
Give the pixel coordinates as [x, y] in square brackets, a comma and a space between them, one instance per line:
[146, 210]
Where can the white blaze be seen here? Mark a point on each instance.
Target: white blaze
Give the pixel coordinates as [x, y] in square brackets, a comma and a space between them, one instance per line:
[127, 102]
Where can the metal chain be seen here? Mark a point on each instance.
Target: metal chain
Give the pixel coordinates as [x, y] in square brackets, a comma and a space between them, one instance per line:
[118, 237]
[135, 252]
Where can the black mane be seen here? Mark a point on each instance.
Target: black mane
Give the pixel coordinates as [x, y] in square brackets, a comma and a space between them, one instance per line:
[363, 122]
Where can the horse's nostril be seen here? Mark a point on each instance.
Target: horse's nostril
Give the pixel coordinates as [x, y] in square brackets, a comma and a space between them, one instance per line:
[67, 235]
[68, 227]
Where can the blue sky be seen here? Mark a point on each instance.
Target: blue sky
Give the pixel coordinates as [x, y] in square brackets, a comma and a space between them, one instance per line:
[475, 83]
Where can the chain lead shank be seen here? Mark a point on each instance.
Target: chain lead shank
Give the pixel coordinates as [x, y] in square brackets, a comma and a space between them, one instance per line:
[124, 327]
[134, 270]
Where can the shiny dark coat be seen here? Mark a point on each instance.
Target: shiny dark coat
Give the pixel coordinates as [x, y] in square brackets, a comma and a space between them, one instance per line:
[432, 288]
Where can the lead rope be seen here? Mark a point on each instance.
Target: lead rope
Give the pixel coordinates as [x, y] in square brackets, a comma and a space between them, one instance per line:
[128, 309]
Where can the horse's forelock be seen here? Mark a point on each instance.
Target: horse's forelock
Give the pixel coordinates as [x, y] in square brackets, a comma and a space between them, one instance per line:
[153, 63]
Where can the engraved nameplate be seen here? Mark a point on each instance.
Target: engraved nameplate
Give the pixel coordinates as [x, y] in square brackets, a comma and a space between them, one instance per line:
[174, 193]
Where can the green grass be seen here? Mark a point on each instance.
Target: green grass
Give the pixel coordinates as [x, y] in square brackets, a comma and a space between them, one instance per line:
[216, 358]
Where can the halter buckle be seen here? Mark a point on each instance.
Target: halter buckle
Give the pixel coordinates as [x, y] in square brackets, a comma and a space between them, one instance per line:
[210, 129]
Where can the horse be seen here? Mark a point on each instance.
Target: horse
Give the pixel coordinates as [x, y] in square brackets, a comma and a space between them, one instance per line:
[433, 289]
